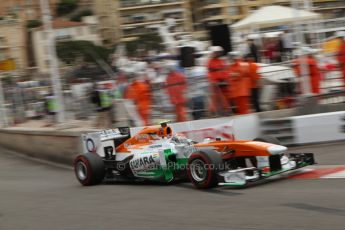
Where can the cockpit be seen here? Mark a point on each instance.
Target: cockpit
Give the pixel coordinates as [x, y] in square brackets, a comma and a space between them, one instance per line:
[180, 139]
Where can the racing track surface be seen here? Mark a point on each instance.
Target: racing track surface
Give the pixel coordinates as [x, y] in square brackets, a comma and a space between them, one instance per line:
[35, 195]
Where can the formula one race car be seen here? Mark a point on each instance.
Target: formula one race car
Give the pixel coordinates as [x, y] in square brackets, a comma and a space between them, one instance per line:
[156, 155]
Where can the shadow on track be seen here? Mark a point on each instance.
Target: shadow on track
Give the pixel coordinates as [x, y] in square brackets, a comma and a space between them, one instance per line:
[315, 208]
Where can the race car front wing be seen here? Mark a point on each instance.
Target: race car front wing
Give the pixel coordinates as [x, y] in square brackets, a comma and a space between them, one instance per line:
[277, 165]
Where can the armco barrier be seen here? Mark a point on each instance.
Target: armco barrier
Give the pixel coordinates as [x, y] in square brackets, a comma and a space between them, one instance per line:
[57, 146]
[63, 146]
[320, 127]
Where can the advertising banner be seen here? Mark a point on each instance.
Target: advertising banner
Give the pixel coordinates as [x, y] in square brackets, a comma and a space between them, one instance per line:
[224, 132]
[245, 127]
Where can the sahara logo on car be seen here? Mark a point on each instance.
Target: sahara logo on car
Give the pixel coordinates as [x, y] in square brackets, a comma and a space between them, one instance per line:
[142, 163]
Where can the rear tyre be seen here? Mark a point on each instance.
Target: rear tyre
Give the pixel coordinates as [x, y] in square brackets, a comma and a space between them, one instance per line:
[268, 139]
[89, 169]
[203, 168]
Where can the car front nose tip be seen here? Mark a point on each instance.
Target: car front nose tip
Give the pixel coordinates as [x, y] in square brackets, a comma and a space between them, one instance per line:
[276, 149]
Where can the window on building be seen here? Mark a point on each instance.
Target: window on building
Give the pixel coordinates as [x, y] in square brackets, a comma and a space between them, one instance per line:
[234, 2]
[44, 35]
[79, 31]
[212, 12]
[93, 29]
[253, 8]
[46, 50]
[30, 13]
[47, 63]
[215, 22]
[63, 34]
[3, 42]
[233, 11]
[86, 30]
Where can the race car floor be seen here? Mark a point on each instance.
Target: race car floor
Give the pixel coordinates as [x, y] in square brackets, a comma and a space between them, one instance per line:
[35, 195]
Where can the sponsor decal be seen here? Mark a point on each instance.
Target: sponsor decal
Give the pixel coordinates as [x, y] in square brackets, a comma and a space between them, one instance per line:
[143, 162]
[90, 145]
[142, 137]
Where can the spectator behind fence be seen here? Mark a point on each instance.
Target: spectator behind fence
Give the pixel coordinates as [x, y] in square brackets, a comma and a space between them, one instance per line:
[197, 91]
[288, 44]
[254, 83]
[102, 99]
[312, 71]
[51, 108]
[217, 77]
[253, 50]
[341, 54]
[176, 87]
[270, 48]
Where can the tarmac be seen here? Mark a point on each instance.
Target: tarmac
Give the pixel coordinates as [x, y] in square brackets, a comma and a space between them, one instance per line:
[40, 195]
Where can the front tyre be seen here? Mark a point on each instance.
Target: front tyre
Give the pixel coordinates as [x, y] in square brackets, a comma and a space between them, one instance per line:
[203, 168]
[89, 169]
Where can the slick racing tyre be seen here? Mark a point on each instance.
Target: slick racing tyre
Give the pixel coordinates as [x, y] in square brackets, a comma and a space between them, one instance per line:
[89, 169]
[203, 168]
[268, 139]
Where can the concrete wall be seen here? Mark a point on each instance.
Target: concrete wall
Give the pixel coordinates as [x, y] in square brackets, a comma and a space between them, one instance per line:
[57, 146]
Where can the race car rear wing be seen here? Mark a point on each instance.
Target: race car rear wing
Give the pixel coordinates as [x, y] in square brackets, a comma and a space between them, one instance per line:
[104, 142]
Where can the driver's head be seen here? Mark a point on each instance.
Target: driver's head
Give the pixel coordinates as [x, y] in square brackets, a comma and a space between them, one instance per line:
[165, 129]
[169, 131]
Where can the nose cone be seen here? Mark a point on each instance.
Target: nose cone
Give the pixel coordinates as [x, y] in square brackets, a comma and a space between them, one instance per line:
[276, 149]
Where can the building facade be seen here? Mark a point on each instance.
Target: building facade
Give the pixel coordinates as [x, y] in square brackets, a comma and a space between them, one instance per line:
[210, 12]
[63, 31]
[109, 25]
[125, 20]
[25, 9]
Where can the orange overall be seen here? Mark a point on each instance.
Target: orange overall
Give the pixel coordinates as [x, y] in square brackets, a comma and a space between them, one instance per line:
[176, 86]
[239, 90]
[139, 92]
[217, 76]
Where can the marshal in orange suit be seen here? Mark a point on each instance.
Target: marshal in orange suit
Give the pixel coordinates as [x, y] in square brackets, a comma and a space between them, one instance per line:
[240, 84]
[140, 92]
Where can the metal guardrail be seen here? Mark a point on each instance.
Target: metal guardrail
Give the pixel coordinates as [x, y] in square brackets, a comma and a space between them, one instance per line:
[162, 109]
[333, 97]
